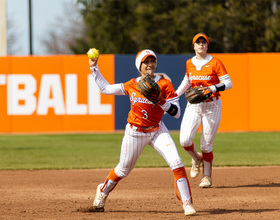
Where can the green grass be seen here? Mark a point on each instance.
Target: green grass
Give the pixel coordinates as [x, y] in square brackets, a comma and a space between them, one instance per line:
[84, 151]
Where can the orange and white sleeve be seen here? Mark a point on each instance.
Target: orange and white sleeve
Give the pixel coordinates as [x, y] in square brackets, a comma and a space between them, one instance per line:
[225, 80]
[183, 87]
[103, 85]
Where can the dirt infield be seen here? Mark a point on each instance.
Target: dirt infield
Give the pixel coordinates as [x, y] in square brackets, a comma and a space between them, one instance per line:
[237, 193]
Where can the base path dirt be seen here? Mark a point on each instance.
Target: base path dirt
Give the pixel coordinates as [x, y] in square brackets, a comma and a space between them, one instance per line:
[147, 193]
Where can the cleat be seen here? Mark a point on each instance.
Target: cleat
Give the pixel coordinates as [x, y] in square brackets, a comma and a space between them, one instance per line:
[100, 199]
[196, 167]
[189, 209]
[206, 182]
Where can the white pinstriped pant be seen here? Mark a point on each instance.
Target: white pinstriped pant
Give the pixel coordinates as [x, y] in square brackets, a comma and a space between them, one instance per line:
[134, 142]
[207, 113]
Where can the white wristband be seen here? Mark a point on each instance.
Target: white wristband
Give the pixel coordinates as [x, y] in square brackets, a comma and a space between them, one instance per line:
[166, 106]
[213, 88]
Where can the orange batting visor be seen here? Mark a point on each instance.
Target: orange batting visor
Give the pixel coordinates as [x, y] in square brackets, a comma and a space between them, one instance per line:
[198, 36]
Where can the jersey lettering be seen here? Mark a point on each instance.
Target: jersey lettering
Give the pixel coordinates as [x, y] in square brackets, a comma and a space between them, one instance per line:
[200, 77]
[135, 99]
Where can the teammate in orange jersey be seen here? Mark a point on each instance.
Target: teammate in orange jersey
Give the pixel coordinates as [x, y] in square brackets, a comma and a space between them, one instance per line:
[144, 127]
[206, 71]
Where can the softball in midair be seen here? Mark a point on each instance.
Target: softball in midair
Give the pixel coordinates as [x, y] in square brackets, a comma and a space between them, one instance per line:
[93, 53]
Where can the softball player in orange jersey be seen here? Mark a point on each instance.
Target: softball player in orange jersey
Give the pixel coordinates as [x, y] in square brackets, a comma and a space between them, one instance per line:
[144, 127]
[206, 71]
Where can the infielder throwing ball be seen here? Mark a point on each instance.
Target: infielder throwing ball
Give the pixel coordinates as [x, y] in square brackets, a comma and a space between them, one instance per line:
[209, 73]
[144, 127]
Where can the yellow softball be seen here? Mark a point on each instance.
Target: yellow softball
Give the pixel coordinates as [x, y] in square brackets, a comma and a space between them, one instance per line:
[92, 53]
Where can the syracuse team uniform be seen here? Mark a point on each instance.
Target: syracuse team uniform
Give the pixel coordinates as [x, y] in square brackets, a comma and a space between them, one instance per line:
[209, 111]
[206, 73]
[144, 127]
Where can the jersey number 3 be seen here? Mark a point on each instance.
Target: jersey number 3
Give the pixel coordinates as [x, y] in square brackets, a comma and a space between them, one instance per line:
[145, 114]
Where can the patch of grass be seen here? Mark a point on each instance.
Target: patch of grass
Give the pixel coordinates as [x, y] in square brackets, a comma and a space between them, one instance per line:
[87, 151]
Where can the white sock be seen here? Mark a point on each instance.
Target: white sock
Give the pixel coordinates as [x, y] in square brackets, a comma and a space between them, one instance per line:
[108, 187]
[184, 190]
[207, 169]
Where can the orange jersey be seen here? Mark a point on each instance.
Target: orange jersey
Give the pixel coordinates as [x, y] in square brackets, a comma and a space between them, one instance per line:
[208, 75]
[143, 113]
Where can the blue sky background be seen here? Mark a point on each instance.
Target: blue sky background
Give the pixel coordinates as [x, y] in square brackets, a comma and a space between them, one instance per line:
[44, 15]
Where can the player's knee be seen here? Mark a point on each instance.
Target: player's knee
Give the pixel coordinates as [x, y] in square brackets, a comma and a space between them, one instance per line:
[175, 164]
[185, 142]
[122, 173]
[206, 148]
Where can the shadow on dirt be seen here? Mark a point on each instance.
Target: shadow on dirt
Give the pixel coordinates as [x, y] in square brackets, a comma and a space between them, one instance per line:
[252, 185]
[229, 211]
[202, 212]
